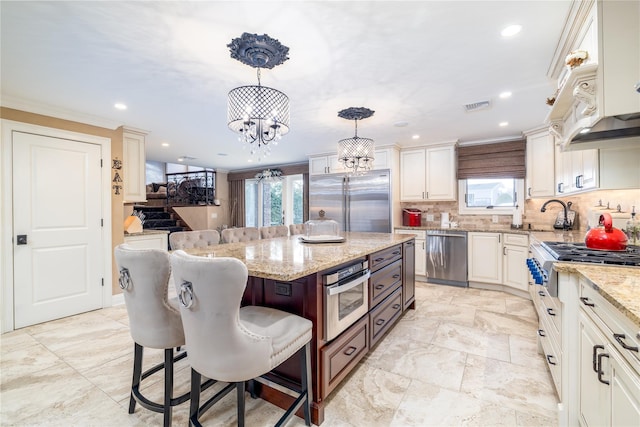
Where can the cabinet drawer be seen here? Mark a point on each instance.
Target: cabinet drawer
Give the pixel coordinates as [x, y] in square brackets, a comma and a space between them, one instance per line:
[342, 354]
[516, 239]
[550, 309]
[551, 354]
[385, 315]
[383, 282]
[622, 333]
[386, 256]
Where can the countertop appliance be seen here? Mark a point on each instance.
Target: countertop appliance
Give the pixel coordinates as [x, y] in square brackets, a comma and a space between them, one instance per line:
[447, 257]
[411, 217]
[357, 203]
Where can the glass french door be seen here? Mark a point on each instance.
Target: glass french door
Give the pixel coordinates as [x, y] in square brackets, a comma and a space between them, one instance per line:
[273, 202]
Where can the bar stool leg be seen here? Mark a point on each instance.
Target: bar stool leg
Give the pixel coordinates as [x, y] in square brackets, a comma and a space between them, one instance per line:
[168, 385]
[137, 374]
[306, 376]
[195, 399]
[240, 389]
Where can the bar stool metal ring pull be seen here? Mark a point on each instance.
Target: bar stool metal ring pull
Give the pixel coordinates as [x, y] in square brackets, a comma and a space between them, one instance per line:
[186, 294]
[124, 281]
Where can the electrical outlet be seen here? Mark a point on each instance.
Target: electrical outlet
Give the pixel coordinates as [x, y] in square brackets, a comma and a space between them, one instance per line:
[429, 217]
[494, 219]
[214, 215]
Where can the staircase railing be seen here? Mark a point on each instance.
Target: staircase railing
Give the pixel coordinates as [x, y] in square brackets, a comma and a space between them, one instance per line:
[191, 188]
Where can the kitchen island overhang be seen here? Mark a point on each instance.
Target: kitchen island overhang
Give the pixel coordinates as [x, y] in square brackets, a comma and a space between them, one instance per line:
[286, 273]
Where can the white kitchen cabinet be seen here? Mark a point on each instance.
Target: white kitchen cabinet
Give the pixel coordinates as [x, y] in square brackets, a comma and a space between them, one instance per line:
[485, 257]
[499, 258]
[540, 164]
[133, 166]
[515, 250]
[319, 165]
[603, 85]
[148, 240]
[576, 171]
[421, 250]
[428, 173]
[608, 373]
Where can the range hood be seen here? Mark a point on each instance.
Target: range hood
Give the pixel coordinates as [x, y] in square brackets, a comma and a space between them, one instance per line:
[609, 132]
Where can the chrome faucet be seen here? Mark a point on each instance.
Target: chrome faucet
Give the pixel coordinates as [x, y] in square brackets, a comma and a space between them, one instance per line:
[565, 224]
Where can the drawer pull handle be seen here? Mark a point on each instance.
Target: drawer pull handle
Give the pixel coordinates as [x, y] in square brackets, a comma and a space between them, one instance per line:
[549, 357]
[379, 286]
[396, 252]
[395, 276]
[594, 360]
[542, 333]
[600, 373]
[586, 302]
[619, 338]
[542, 294]
[379, 259]
[395, 306]
[349, 351]
[380, 322]
[550, 312]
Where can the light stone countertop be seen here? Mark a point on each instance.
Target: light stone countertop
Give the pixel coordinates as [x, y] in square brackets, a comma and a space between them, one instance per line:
[287, 258]
[618, 285]
[147, 232]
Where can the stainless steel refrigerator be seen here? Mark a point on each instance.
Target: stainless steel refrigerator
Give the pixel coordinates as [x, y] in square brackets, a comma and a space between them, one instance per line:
[357, 203]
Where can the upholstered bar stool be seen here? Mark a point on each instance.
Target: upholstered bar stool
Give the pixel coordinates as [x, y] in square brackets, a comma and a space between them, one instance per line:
[296, 229]
[241, 234]
[274, 231]
[154, 321]
[232, 344]
[193, 239]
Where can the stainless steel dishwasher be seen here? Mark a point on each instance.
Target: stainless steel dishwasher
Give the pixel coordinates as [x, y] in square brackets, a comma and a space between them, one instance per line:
[447, 257]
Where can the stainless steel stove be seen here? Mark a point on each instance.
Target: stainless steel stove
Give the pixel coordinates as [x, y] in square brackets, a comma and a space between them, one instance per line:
[544, 254]
[578, 252]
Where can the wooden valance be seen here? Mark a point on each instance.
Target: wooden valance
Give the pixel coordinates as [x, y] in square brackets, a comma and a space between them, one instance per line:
[498, 160]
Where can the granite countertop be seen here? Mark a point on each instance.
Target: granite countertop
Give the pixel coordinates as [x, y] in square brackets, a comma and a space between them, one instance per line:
[554, 235]
[287, 258]
[618, 285]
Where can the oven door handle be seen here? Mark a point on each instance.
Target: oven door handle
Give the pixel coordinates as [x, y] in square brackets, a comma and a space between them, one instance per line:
[339, 288]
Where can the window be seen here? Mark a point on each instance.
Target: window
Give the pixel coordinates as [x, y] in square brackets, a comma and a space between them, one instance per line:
[490, 196]
[275, 202]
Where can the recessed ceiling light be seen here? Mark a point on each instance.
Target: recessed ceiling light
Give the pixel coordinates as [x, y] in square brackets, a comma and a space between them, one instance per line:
[504, 95]
[180, 159]
[222, 154]
[120, 106]
[165, 144]
[401, 124]
[416, 137]
[511, 30]
[503, 124]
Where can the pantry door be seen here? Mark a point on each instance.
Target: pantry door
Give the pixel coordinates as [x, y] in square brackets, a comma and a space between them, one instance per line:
[58, 237]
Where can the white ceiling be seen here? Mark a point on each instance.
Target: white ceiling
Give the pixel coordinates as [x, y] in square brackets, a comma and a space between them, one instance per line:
[416, 61]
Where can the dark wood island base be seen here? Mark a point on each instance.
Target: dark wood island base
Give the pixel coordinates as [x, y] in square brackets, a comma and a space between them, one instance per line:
[391, 291]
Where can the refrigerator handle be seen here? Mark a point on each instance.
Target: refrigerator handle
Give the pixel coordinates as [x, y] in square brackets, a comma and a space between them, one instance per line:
[346, 204]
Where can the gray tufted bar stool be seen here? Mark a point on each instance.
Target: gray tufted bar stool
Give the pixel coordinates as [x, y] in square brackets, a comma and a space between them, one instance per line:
[296, 229]
[240, 234]
[233, 344]
[274, 231]
[154, 321]
[193, 239]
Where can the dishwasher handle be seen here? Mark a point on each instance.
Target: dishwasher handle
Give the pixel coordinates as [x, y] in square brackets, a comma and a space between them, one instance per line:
[446, 235]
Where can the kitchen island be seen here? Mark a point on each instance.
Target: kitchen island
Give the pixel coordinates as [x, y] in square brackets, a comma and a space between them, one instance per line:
[287, 274]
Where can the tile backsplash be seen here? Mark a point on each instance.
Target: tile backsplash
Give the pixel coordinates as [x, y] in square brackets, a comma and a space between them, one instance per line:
[581, 203]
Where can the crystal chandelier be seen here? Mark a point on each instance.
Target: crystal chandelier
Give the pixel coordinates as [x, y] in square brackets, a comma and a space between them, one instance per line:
[258, 114]
[356, 154]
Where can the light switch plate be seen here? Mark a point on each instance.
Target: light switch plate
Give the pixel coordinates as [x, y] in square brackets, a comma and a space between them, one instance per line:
[429, 217]
[494, 219]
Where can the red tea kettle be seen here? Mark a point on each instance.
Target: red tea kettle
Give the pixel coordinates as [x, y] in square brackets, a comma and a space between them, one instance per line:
[605, 236]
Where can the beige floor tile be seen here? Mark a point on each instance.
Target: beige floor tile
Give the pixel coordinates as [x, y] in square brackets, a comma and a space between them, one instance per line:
[524, 352]
[450, 313]
[521, 307]
[505, 323]
[484, 300]
[513, 386]
[24, 361]
[473, 341]
[429, 405]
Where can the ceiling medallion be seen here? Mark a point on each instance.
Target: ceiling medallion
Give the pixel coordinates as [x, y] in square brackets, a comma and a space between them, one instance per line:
[356, 154]
[258, 114]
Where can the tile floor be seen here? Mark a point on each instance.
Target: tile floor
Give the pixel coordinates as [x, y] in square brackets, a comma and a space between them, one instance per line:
[463, 357]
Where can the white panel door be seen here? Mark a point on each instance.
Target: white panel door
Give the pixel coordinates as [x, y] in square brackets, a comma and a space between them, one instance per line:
[57, 192]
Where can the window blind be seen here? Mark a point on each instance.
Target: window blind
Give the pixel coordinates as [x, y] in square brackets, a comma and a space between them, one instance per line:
[499, 160]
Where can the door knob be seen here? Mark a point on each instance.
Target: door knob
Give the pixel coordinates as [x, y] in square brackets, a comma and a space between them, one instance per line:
[21, 239]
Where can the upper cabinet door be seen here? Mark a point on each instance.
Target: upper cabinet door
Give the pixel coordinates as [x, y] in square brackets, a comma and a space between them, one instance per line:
[441, 173]
[413, 175]
[133, 167]
[540, 165]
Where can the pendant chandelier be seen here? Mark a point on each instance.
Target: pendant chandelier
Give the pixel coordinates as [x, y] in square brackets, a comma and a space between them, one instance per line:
[356, 154]
[258, 114]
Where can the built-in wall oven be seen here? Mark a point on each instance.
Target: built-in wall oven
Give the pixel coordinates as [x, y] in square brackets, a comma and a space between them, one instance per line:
[346, 298]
